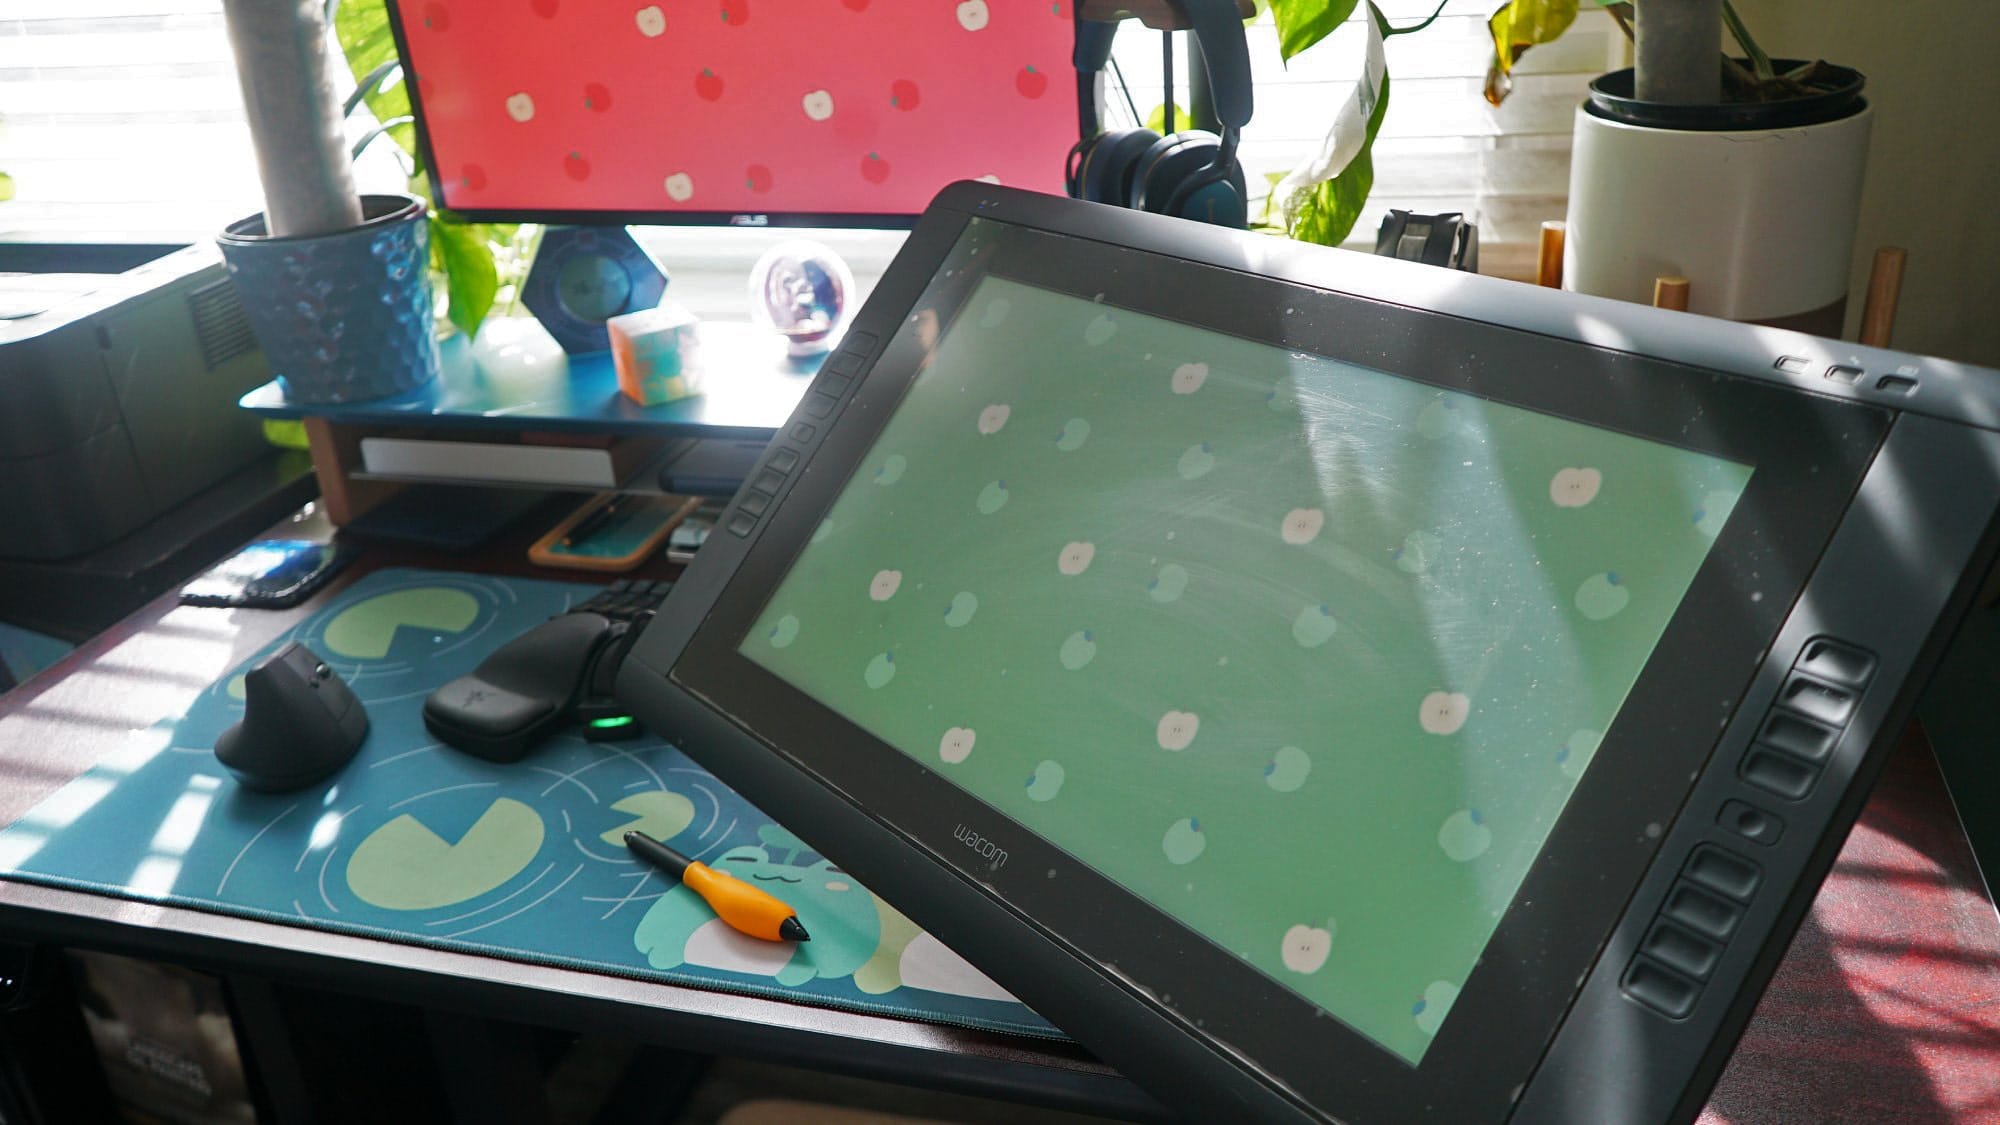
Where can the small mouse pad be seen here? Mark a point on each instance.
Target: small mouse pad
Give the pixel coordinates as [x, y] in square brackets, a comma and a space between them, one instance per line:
[411, 841]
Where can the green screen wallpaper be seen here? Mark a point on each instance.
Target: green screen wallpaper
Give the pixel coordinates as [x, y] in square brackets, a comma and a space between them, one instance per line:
[1308, 655]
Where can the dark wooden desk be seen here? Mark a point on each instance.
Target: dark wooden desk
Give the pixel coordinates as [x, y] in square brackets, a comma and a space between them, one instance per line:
[1887, 1007]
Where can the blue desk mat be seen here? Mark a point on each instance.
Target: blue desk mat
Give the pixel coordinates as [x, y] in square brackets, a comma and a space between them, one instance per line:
[416, 842]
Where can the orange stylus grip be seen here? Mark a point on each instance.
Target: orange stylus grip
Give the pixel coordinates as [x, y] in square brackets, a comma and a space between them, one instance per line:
[738, 903]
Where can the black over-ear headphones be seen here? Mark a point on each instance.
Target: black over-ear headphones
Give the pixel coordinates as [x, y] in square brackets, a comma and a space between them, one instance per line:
[1193, 175]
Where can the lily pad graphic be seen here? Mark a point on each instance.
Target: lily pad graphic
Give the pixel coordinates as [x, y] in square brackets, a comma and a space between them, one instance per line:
[365, 631]
[404, 865]
[659, 813]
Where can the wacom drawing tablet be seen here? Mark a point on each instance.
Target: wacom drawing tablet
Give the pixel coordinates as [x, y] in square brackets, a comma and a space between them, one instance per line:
[1328, 687]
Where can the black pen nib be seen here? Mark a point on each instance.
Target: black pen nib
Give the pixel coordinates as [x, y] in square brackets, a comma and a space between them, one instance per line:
[790, 930]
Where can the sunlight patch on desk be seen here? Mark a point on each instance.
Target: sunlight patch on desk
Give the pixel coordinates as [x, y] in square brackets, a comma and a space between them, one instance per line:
[155, 876]
[183, 820]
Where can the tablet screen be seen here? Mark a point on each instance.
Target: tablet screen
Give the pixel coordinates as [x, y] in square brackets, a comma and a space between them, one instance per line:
[1308, 655]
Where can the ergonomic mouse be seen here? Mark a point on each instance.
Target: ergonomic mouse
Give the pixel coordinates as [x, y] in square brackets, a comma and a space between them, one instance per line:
[300, 723]
[526, 689]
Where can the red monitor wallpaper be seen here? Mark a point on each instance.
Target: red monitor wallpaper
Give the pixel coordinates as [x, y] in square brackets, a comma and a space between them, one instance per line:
[698, 110]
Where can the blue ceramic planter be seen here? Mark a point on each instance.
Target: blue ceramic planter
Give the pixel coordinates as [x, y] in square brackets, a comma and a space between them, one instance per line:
[343, 317]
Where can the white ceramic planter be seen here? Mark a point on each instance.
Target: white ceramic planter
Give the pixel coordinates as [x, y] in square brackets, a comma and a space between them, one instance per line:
[1760, 222]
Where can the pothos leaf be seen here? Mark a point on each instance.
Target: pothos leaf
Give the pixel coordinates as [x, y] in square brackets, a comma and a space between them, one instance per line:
[1302, 23]
[1329, 210]
[471, 281]
[362, 26]
[1521, 24]
[1157, 120]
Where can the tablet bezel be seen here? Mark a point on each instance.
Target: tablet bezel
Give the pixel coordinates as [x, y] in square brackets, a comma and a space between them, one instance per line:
[1810, 454]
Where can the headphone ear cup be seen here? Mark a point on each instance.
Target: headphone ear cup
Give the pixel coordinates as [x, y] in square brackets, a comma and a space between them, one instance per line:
[1177, 178]
[1212, 195]
[1105, 169]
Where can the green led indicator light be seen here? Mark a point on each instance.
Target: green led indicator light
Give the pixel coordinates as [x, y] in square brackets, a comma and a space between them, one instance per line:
[612, 723]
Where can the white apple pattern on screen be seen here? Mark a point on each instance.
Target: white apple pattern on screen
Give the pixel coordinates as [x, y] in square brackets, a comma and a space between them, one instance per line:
[892, 469]
[880, 670]
[1100, 330]
[784, 631]
[1169, 584]
[1417, 552]
[885, 584]
[1189, 377]
[1288, 769]
[818, 105]
[1443, 712]
[1577, 750]
[680, 187]
[963, 606]
[652, 22]
[1176, 729]
[1301, 525]
[1196, 462]
[1602, 596]
[992, 498]
[1714, 512]
[972, 15]
[956, 744]
[1075, 432]
[1464, 835]
[1306, 947]
[1438, 419]
[1573, 488]
[1183, 842]
[1078, 650]
[520, 106]
[1046, 781]
[1314, 626]
[1075, 558]
[1434, 1005]
[994, 417]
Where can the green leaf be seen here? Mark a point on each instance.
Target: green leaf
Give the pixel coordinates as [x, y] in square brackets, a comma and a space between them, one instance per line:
[362, 26]
[1302, 23]
[1521, 24]
[1157, 120]
[472, 281]
[1329, 210]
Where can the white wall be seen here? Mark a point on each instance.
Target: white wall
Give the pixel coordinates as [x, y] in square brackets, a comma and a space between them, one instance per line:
[1934, 162]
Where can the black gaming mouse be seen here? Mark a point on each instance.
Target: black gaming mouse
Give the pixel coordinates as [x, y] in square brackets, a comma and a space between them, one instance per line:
[526, 689]
[300, 723]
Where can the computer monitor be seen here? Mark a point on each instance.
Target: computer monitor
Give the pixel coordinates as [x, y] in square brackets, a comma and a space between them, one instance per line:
[1332, 688]
[740, 112]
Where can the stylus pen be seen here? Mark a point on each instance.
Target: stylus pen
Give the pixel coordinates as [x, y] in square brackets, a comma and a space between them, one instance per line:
[736, 902]
[592, 523]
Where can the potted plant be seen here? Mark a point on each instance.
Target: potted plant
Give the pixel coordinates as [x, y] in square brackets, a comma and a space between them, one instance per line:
[1689, 164]
[335, 284]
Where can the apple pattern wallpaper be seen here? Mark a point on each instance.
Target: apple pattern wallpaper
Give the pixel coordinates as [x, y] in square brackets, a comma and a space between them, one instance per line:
[1308, 655]
[818, 106]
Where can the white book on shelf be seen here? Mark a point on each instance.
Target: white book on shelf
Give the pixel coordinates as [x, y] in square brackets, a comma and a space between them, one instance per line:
[500, 462]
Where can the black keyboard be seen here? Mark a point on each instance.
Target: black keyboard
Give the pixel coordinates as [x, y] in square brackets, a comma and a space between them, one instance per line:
[630, 600]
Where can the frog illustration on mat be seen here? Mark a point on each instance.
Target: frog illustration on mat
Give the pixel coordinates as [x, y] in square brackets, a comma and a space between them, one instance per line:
[845, 925]
[854, 933]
